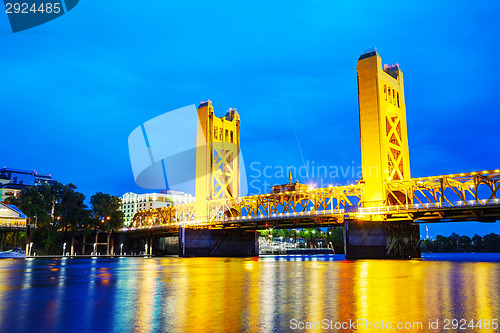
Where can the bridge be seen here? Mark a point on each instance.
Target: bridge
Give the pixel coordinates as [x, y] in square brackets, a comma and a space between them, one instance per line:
[380, 213]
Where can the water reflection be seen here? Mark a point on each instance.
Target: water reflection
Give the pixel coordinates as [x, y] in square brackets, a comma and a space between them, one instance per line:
[221, 294]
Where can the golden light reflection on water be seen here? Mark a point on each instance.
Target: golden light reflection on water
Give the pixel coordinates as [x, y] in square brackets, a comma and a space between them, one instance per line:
[484, 285]
[146, 293]
[216, 294]
[4, 290]
[257, 295]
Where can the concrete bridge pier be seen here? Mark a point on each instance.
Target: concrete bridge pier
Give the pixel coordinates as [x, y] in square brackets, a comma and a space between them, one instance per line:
[132, 245]
[381, 240]
[218, 243]
[146, 243]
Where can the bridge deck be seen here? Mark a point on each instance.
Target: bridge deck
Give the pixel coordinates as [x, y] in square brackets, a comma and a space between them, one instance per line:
[459, 197]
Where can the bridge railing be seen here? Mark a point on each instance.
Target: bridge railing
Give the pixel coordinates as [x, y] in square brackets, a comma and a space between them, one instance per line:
[427, 206]
[9, 223]
[417, 194]
[447, 190]
[283, 215]
[394, 209]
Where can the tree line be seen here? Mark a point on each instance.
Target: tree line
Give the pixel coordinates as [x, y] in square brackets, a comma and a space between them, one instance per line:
[59, 211]
[457, 243]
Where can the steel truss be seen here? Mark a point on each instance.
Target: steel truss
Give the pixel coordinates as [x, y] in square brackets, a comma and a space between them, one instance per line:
[465, 196]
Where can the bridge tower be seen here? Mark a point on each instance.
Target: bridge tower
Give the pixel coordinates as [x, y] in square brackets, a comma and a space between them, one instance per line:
[382, 122]
[384, 158]
[217, 177]
[217, 157]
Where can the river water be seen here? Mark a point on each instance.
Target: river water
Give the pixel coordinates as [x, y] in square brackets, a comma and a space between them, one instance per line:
[266, 294]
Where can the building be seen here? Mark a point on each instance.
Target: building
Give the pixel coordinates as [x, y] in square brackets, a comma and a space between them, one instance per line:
[133, 203]
[12, 181]
[178, 197]
[11, 216]
[8, 192]
[18, 177]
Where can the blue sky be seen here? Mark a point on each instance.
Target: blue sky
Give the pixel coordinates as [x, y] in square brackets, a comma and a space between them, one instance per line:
[73, 89]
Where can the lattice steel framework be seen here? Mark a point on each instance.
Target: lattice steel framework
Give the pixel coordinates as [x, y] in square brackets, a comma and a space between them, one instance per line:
[386, 193]
[383, 131]
[217, 157]
[466, 196]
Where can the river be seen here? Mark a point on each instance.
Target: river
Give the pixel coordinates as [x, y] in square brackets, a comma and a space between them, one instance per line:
[266, 294]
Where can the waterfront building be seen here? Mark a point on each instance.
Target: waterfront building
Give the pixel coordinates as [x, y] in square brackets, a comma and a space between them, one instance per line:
[22, 178]
[133, 203]
[11, 216]
[12, 181]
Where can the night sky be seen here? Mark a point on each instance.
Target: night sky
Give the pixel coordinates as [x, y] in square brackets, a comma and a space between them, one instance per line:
[72, 90]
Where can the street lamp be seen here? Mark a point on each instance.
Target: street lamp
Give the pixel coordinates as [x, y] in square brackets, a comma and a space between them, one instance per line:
[31, 245]
[121, 249]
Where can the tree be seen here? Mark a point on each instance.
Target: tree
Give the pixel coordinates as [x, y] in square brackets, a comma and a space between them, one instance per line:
[457, 243]
[336, 237]
[492, 242]
[58, 207]
[465, 243]
[71, 211]
[71, 207]
[106, 211]
[37, 201]
[107, 214]
[477, 243]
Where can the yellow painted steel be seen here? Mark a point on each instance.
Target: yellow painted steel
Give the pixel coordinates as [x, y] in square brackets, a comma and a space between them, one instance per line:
[217, 157]
[382, 121]
[462, 196]
[386, 193]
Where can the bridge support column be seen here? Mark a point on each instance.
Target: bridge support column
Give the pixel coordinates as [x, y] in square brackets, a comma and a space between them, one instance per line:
[381, 240]
[218, 243]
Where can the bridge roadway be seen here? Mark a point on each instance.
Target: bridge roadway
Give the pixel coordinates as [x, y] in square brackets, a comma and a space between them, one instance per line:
[469, 196]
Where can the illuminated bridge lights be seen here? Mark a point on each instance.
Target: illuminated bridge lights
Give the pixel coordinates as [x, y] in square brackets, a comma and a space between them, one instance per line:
[438, 194]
